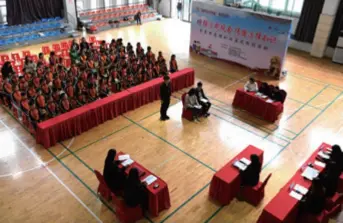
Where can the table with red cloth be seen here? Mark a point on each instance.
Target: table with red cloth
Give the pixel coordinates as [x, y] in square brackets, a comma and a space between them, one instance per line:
[258, 106]
[79, 120]
[284, 208]
[158, 199]
[226, 182]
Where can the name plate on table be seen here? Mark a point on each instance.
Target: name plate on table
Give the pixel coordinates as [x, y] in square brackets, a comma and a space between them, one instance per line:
[295, 195]
[258, 94]
[310, 173]
[323, 155]
[300, 189]
[269, 101]
[320, 164]
[123, 157]
[127, 162]
[150, 179]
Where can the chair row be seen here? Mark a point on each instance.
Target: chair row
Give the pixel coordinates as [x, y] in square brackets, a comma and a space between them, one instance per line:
[29, 28]
[109, 10]
[102, 24]
[30, 37]
[117, 14]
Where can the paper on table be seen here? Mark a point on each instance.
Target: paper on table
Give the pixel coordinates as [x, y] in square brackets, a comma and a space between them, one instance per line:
[300, 189]
[245, 161]
[269, 101]
[310, 173]
[296, 195]
[127, 162]
[204, 100]
[150, 179]
[264, 96]
[123, 157]
[323, 155]
[239, 165]
[320, 164]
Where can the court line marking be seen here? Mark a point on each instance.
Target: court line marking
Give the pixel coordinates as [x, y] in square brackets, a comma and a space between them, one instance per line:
[313, 120]
[37, 167]
[52, 173]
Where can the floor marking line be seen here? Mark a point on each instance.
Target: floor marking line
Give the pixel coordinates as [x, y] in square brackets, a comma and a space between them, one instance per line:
[53, 174]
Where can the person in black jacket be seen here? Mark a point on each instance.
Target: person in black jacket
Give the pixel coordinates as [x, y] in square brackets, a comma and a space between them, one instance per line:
[165, 93]
[314, 202]
[337, 156]
[203, 100]
[330, 178]
[113, 175]
[84, 45]
[251, 175]
[7, 70]
[135, 192]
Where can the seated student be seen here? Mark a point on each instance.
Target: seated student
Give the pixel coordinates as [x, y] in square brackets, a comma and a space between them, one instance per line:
[314, 201]
[29, 65]
[173, 64]
[34, 115]
[7, 70]
[203, 100]
[330, 178]
[135, 192]
[251, 85]
[337, 156]
[113, 175]
[251, 175]
[41, 59]
[52, 108]
[64, 103]
[191, 102]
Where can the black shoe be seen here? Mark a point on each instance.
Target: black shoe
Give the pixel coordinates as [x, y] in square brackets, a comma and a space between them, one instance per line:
[207, 114]
[163, 119]
[167, 117]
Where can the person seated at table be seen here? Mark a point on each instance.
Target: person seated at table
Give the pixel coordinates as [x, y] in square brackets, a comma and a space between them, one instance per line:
[314, 201]
[135, 193]
[337, 156]
[173, 64]
[52, 108]
[203, 100]
[251, 175]
[113, 175]
[330, 177]
[191, 103]
[41, 106]
[251, 85]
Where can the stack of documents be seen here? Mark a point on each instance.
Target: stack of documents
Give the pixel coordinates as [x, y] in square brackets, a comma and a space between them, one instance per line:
[150, 179]
[310, 173]
[127, 162]
[123, 157]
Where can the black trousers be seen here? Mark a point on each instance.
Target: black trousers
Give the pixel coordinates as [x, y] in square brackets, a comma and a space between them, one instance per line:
[205, 106]
[195, 112]
[164, 108]
[138, 19]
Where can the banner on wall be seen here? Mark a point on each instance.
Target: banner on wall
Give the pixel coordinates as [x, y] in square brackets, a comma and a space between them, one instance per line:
[244, 37]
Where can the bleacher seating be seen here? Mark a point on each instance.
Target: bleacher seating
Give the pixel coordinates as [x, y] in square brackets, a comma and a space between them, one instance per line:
[100, 18]
[36, 32]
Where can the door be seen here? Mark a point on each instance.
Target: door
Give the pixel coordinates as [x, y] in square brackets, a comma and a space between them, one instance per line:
[186, 10]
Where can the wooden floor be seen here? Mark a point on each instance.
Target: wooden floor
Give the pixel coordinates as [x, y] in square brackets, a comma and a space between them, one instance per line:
[184, 154]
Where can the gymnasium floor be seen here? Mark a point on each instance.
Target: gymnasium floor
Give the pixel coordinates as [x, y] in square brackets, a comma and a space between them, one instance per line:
[184, 154]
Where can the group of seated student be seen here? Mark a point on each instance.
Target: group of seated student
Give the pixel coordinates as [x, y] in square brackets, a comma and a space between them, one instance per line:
[197, 102]
[273, 92]
[47, 89]
[132, 190]
[325, 185]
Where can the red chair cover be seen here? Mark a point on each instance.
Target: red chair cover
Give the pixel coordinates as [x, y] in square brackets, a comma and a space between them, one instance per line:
[103, 189]
[126, 214]
[254, 195]
[187, 114]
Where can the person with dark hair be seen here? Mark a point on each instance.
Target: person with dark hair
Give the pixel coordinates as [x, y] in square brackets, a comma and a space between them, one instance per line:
[314, 201]
[265, 89]
[203, 100]
[179, 9]
[29, 65]
[251, 175]
[165, 93]
[7, 70]
[173, 64]
[84, 44]
[251, 85]
[330, 177]
[113, 175]
[191, 103]
[64, 103]
[337, 156]
[52, 59]
[135, 192]
[34, 114]
[41, 59]
[138, 18]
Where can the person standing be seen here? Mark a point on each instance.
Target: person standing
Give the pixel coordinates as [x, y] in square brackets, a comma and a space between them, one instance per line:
[165, 93]
[138, 18]
[179, 8]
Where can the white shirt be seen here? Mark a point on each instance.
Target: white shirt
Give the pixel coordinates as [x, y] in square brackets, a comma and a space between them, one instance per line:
[251, 87]
[191, 101]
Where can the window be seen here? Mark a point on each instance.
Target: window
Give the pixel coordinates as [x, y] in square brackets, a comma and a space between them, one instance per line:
[283, 7]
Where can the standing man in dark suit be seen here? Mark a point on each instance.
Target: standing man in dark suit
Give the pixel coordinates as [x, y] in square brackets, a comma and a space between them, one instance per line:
[203, 100]
[165, 93]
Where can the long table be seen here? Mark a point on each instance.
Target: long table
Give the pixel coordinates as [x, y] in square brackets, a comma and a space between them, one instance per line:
[225, 183]
[158, 198]
[274, 212]
[82, 119]
[258, 106]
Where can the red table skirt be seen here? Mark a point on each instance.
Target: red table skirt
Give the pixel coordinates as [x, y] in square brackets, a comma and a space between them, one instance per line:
[225, 184]
[75, 122]
[257, 106]
[158, 198]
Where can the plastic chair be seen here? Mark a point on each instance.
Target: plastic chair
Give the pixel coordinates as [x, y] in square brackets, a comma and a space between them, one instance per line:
[186, 113]
[26, 53]
[103, 189]
[126, 214]
[64, 45]
[15, 56]
[254, 195]
[34, 58]
[45, 50]
[336, 199]
[4, 58]
[56, 47]
[92, 39]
